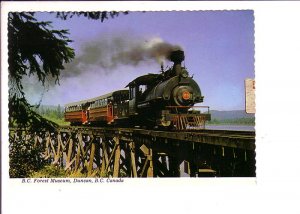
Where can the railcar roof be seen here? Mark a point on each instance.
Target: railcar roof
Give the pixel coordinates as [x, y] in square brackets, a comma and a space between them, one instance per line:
[144, 80]
[95, 98]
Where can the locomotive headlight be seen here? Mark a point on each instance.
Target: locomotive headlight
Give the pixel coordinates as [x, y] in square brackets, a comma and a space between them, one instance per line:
[183, 95]
[186, 95]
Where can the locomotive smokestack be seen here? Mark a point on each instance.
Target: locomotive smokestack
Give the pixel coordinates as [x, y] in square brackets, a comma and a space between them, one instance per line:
[177, 57]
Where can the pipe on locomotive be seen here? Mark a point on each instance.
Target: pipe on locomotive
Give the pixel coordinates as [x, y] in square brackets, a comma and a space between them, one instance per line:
[177, 57]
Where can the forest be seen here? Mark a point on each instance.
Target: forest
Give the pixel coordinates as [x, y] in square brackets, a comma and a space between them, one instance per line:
[52, 113]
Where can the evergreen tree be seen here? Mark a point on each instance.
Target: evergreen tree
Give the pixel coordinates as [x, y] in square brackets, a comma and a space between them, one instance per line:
[34, 48]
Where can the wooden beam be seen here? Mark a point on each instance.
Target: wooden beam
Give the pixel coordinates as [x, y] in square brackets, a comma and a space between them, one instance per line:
[97, 155]
[144, 149]
[47, 149]
[52, 147]
[36, 141]
[144, 167]
[57, 155]
[117, 157]
[132, 156]
[105, 163]
[70, 150]
[77, 162]
[90, 167]
[150, 168]
[70, 163]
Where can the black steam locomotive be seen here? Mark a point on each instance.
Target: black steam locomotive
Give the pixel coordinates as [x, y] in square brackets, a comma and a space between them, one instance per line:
[153, 100]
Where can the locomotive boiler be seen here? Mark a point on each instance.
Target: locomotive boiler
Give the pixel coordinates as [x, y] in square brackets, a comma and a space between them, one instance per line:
[153, 100]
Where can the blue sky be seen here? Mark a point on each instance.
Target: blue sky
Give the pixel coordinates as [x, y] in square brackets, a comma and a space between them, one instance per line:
[218, 45]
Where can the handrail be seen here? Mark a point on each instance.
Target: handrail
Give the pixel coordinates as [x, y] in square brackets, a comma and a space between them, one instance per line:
[189, 107]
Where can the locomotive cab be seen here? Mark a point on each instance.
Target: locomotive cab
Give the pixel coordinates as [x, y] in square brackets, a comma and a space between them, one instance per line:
[138, 90]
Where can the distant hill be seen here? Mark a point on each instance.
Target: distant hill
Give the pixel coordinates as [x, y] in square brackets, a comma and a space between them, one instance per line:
[229, 115]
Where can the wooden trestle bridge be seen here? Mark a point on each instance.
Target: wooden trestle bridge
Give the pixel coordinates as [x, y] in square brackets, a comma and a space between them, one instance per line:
[132, 152]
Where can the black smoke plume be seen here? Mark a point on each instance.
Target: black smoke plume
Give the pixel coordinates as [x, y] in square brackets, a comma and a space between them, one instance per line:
[105, 55]
[109, 52]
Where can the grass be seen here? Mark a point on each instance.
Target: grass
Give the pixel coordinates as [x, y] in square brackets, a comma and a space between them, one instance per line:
[58, 121]
[51, 171]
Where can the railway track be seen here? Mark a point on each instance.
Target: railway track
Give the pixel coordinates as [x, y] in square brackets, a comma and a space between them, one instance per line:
[210, 131]
[227, 138]
[192, 131]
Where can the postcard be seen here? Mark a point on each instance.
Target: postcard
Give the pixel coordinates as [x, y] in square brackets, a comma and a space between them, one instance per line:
[104, 97]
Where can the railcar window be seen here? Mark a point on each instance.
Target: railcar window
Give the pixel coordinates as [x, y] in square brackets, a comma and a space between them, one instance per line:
[142, 88]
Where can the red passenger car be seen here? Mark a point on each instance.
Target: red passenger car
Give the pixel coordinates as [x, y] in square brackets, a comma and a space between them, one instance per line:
[103, 109]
